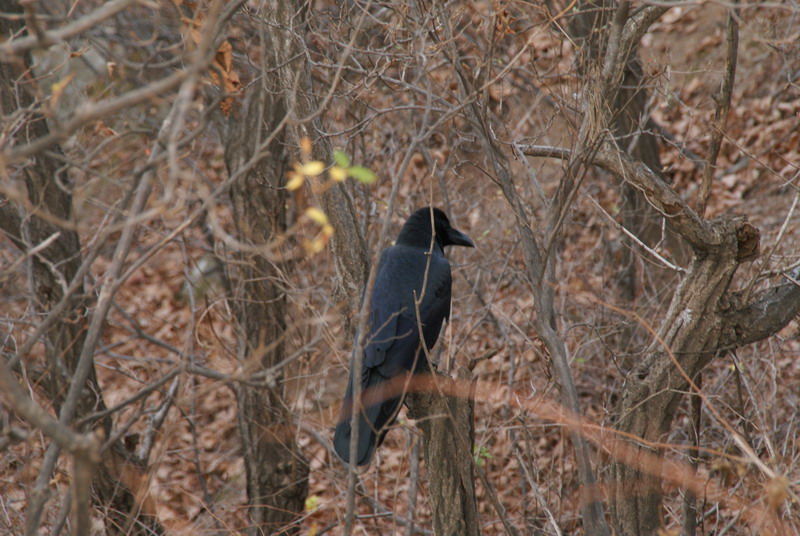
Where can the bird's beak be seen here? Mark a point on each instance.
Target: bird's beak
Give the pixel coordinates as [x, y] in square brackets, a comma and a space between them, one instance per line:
[457, 238]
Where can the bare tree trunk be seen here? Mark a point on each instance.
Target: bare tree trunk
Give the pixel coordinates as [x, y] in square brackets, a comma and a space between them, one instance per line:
[695, 326]
[53, 270]
[448, 435]
[277, 474]
[540, 269]
[351, 260]
[704, 319]
[649, 404]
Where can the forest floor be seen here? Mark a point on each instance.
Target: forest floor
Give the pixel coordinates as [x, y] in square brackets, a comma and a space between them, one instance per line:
[197, 478]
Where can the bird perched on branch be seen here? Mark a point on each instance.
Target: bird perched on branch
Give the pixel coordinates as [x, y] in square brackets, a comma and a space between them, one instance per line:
[393, 344]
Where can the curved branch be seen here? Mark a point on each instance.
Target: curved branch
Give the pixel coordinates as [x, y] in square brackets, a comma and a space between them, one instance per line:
[638, 24]
[701, 235]
[32, 412]
[770, 312]
[93, 111]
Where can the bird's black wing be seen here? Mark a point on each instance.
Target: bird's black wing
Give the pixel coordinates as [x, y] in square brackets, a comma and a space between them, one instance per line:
[435, 306]
[393, 346]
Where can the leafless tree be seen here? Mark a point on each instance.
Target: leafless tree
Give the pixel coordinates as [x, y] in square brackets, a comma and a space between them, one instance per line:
[37, 216]
[184, 278]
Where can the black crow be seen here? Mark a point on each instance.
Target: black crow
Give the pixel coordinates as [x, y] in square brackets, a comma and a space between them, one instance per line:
[392, 347]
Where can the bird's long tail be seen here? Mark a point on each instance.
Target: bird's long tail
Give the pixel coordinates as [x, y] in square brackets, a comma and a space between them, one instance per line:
[376, 414]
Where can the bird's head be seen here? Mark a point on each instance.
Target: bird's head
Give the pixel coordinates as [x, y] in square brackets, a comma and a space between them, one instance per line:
[417, 230]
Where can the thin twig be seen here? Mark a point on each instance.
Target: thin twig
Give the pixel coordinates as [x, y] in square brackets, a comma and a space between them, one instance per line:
[633, 237]
[537, 493]
[768, 257]
[34, 251]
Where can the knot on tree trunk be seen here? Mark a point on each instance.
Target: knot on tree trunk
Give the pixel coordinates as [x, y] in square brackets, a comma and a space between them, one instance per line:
[747, 239]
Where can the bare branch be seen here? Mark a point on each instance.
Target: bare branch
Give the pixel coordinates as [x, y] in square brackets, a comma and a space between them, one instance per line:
[540, 269]
[98, 110]
[33, 413]
[635, 238]
[44, 39]
[639, 23]
[723, 100]
[700, 234]
[615, 58]
[770, 311]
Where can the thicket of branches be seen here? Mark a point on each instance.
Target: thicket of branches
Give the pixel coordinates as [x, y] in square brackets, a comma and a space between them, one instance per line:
[193, 194]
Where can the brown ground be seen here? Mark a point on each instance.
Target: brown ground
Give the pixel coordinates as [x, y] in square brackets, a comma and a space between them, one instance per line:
[197, 476]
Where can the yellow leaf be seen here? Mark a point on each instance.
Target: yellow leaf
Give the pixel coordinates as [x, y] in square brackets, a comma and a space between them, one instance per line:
[312, 502]
[337, 173]
[317, 215]
[58, 88]
[327, 229]
[312, 169]
[318, 245]
[295, 181]
[314, 246]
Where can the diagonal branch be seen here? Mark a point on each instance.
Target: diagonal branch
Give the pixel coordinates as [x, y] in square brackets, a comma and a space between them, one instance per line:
[85, 448]
[723, 100]
[700, 234]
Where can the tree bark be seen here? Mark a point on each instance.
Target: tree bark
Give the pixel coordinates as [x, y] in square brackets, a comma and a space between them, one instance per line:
[49, 202]
[351, 259]
[447, 424]
[703, 317]
[704, 320]
[277, 474]
[690, 332]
